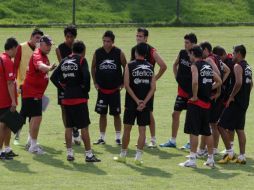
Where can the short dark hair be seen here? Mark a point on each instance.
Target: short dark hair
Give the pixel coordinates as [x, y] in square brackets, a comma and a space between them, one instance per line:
[71, 29]
[206, 45]
[10, 43]
[197, 51]
[191, 37]
[78, 47]
[109, 34]
[144, 30]
[37, 31]
[141, 49]
[218, 50]
[240, 49]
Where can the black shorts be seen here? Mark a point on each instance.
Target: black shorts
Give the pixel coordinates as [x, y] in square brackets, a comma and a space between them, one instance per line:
[143, 118]
[3, 111]
[197, 121]
[77, 115]
[31, 107]
[60, 96]
[216, 110]
[113, 101]
[233, 118]
[180, 103]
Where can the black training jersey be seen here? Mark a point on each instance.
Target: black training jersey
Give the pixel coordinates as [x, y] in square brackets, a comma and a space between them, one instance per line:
[108, 73]
[230, 81]
[73, 77]
[149, 54]
[64, 50]
[184, 76]
[140, 76]
[205, 80]
[242, 98]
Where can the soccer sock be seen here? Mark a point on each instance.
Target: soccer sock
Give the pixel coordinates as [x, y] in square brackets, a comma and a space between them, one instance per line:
[241, 157]
[173, 140]
[89, 153]
[230, 152]
[7, 149]
[33, 142]
[69, 151]
[153, 139]
[102, 135]
[118, 134]
[123, 153]
[138, 154]
[210, 157]
[28, 139]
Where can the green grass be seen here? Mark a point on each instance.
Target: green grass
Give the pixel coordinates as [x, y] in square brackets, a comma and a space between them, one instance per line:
[160, 170]
[122, 11]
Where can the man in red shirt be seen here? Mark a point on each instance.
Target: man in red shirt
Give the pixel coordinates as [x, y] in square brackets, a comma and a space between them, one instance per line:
[8, 97]
[33, 89]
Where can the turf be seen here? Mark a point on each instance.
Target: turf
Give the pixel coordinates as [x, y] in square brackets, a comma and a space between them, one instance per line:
[160, 170]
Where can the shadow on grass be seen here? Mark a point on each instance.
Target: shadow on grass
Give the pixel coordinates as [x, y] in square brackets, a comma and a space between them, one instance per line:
[88, 168]
[150, 171]
[215, 173]
[162, 154]
[17, 166]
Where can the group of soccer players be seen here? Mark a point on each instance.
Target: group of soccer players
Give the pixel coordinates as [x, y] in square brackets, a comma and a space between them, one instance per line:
[213, 86]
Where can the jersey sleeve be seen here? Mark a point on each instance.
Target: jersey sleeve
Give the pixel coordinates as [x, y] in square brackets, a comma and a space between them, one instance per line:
[9, 70]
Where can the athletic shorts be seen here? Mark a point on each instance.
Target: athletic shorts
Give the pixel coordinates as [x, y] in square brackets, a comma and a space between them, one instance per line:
[111, 101]
[31, 107]
[233, 118]
[197, 121]
[216, 110]
[180, 103]
[143, 117]
[3, 111]
[77, 115]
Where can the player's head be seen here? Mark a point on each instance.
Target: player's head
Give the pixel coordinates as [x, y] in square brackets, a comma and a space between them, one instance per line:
[70, 33]
[78, 47]
[10, 46]
[45, 44]
[195, 53]
[239, 53]
[108, 39]
[190, 40]
[207, 49]
[141, 50]
[36, 36]
[220, 51]
[142, 35]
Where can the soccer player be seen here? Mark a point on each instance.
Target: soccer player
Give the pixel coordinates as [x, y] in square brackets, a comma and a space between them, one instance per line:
[107, 74]
[153, 57]
[73, 78]
[182, 72]
[8, 97]
[24, 53]
[233, 117]
[33, 88]
[62, 51]
[204, 79]
[139, 81]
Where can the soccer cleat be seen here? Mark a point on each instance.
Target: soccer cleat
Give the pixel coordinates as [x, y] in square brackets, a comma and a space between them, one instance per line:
[92, 159]
[152, 144]
[169, 144]
[210, 163]
[11, 154]
[36, 150]
[226, 158]
[238, 161]
[3, 156]
[186, 146]
[118, 142]
[121, 159]
[202, 153]
[27, 146]
[70, 158]
[76, 140]
[138, 162]
[99, 141]
[188, 163]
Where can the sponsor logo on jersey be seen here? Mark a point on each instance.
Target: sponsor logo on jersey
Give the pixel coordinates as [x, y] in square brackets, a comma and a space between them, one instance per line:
[69, 65]
[108, 65]
[142, 71]
[206, 71]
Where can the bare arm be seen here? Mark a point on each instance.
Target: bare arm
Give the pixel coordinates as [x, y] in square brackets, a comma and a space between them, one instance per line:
[216, 85]
[12, 93]
[151, 91]
[93, 71]
[175, 66]
[194, 72]
[161, 63]
[123, 60]
[226, 72]
[58, 55]
[213, 65]
[46, 68]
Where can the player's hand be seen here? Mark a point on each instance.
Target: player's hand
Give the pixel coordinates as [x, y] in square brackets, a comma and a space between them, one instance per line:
[194, 98]
[141, 106]
[53, 67]
[215, 96]
[13, 107]
[96, 86]
[231, 99]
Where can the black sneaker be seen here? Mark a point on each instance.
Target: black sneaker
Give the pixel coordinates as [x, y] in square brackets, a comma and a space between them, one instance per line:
[3, 156]
[118, 142]
[100, 141]
[70, 158]
[92, 159]
[11, 154]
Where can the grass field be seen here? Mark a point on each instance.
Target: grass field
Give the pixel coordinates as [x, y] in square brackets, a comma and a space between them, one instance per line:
[160, 170]
[122, 11]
